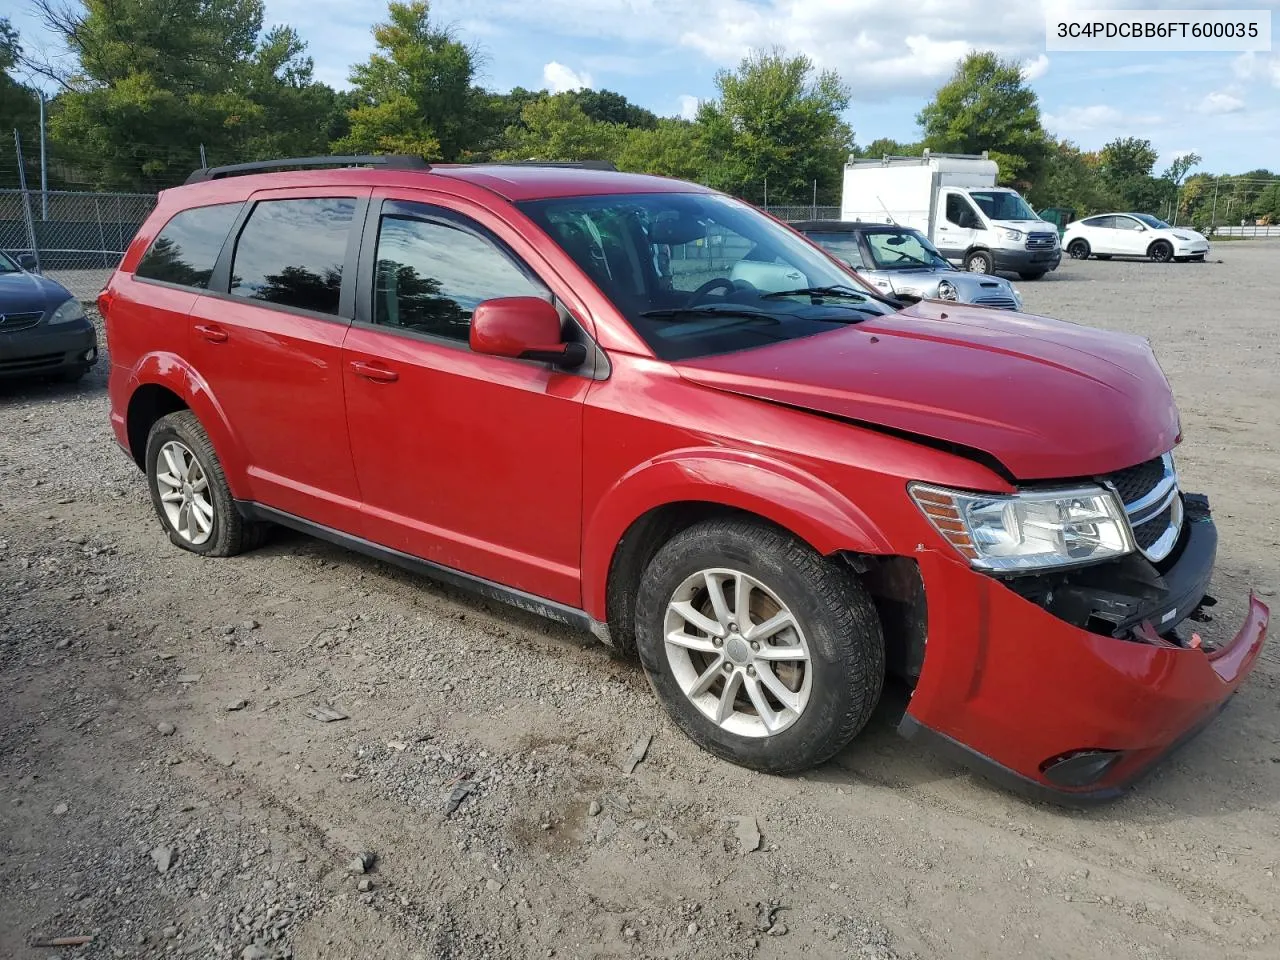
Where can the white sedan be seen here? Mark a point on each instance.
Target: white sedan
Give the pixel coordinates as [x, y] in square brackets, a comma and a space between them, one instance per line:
[1132, 235]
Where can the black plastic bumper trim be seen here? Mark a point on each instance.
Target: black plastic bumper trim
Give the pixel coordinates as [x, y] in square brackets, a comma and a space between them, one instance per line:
[912, 729]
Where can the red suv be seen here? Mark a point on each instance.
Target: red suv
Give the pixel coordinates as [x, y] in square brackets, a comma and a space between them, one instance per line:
[646, 408]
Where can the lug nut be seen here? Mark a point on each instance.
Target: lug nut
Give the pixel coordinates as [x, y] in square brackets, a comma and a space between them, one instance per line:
[717, 642]
[755, 644]
[728, 668]
[751, 671]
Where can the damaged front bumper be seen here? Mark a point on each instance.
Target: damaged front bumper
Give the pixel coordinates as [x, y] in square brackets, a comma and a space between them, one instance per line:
[1072, 686]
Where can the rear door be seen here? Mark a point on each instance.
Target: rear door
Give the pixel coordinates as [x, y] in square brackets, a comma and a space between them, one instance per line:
[1102, 235]
[473, 462]
[267, 341]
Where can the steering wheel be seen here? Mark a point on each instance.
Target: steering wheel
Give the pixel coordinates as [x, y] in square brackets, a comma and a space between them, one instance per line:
[717, 284]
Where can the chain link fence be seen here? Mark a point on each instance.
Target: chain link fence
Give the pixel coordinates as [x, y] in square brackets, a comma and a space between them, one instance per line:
[802, 211]
[74, 238]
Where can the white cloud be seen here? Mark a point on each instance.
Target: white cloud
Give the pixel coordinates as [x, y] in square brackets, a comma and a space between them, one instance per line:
[1220, 102]
[1250, 66]
[1035, 69]
[1074, 119]
[560, 79]
[688, 106]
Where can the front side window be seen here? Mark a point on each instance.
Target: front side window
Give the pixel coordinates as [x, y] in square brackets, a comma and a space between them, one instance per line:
[843, 246]
[700, 274]
[1126, 223]
[902, 250]
[291, 252]
[961, 212]
[430, 275]
[186, 249]
[1002, 205]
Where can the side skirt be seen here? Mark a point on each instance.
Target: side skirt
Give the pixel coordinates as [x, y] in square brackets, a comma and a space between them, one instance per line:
[487, 589]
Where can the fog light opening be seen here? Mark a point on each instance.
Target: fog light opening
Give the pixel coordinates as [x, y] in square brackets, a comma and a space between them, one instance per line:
[90, 353]
[1079, 768]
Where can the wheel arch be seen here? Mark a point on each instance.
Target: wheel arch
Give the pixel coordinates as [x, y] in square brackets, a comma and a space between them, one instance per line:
[666, 495]
[161, 384]
[1159, 242]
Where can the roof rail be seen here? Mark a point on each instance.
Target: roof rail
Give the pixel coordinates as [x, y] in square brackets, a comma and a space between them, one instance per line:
[390, 161]
[579, 164]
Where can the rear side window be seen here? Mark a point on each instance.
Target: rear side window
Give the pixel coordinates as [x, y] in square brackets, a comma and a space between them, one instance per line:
[1105, 222]
[185, 251]
[291, 252]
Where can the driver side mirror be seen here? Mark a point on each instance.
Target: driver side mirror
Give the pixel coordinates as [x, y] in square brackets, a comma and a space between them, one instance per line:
[28, 263]
[523, 328]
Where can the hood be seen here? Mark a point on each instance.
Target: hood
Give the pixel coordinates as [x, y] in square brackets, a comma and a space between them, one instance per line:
[1025, 225]
[1046, 398]
[21, 292]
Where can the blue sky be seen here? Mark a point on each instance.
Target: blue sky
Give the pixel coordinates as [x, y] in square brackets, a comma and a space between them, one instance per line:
[664, 54]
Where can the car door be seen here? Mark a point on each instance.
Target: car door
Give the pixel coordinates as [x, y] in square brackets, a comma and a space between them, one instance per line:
[1131, 236]
[470, 461]
[267, 342]
[958, 226]
[1102, 235]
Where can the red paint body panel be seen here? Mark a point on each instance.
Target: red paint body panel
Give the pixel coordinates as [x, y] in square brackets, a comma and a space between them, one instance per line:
[1017, 685]
[1047, 398]
[530, 477]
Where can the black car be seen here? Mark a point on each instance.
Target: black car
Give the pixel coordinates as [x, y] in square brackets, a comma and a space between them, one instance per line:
[43, 328]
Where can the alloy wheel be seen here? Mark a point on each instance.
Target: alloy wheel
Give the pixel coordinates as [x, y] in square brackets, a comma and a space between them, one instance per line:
[738, 653]
[184, 493]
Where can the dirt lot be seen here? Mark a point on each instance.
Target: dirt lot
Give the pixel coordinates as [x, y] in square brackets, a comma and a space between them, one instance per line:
[230, 833]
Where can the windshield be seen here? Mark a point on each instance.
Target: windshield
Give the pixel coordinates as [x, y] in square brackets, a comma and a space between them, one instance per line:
[700, 274]
[903, 250]
[7, 265]
[1002, 205]
[1152, 222]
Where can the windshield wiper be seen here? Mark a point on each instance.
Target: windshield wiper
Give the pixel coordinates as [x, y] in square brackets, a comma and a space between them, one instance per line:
[844, 293]
[706, 310]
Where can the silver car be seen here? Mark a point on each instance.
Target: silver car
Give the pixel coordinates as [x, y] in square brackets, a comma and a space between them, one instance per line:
[901, 261]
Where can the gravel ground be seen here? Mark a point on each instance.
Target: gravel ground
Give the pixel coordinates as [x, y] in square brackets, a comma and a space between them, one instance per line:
[164, 789]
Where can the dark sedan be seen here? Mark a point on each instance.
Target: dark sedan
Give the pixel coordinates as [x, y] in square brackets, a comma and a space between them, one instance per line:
[43, 328]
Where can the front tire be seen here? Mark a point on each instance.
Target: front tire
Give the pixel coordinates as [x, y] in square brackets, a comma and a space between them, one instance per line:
[1161, 251]
[764, 652]
[1031, 274]
[189, 490]
[979, 261]
[1078, 249]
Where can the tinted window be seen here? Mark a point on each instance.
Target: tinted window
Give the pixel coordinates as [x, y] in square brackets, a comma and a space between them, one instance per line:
[1106, 222]
[841, 245]
[430, 276]
[291, 252]
[187, 248]
[1153, 222]
[1125, 223]
[961, 213]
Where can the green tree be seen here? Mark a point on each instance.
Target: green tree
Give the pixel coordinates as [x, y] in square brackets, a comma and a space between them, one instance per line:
[672, 148]
[415, 92]
[776, 121]
[609, 107]
[888, 147]
[556, 128]
[19, 104]
[1125, 166]
[988, 105]
[155, 79]
[1070, 178]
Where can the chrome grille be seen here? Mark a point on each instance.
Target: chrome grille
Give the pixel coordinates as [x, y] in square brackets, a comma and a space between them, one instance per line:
[1152, 503]
[1041, 241]
[9, 322]
[993, 300]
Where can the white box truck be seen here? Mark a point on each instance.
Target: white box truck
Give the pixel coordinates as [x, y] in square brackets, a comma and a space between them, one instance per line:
[953, 199]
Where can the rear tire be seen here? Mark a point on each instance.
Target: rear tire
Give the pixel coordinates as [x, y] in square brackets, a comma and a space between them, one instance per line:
[73, 375]
[979, 261]
[1079, 250]
[189, 490]
[814, 704]
[1031, 274]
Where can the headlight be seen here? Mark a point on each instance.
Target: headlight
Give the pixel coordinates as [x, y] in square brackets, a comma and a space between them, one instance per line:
[946, 290]
[1017, 296]
[1013, 234]
[1183, 236]
[71, 310]
[1028, 531]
